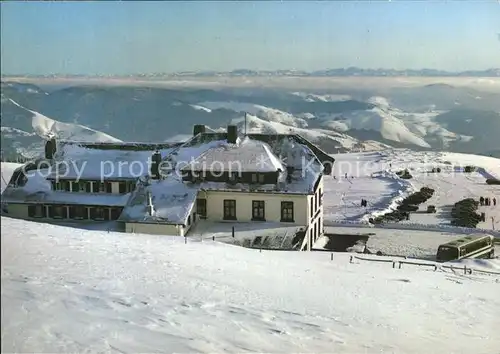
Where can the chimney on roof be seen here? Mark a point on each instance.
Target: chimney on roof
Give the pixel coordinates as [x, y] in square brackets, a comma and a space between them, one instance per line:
[199, 129]
[232, 134]
[50, 148]
[155, 165]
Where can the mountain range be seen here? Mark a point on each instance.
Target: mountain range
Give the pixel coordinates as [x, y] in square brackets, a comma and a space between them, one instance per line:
[351, 71]
[430, 117]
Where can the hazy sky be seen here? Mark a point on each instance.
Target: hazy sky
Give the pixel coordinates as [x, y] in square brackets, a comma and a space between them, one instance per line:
[133, 37]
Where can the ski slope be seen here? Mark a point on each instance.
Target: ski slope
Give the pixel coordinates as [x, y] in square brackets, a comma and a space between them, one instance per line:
[68, 290]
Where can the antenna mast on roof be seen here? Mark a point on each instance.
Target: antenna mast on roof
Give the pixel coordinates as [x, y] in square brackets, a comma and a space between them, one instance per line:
[245, 123]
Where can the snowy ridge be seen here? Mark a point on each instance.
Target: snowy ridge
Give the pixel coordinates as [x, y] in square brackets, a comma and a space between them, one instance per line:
[47, 128]
[269, 114]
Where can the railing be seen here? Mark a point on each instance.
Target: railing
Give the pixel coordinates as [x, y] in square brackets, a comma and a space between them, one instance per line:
[399, 264]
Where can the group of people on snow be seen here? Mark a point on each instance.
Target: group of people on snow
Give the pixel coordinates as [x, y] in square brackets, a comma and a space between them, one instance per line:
[487, 201]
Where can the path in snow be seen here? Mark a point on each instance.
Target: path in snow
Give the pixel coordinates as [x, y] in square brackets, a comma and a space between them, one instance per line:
[371, 182]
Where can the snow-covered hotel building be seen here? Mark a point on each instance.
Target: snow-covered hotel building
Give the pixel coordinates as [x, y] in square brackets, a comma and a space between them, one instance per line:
[167, 189]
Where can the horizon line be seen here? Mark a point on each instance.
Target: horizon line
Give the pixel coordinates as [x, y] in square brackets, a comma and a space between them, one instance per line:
[232, 71]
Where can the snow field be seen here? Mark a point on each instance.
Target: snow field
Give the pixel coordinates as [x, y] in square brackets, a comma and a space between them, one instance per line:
[452, 184]
[68, 290]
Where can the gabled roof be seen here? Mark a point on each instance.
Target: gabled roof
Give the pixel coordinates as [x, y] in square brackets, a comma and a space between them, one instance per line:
[247, 155]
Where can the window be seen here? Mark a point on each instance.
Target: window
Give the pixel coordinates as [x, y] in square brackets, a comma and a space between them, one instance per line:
[229, 209]
[201, 208]
[311, 206]
[98, 213]
[65, 185]
[36, 211]
[232, 177]
[189, 220]
[79, 212]
[115, 213]
[122, 187]
[108, 187]
[81, 186]
[258, 210]
[287, 212]
[58, 212]
[258, 177]
[320, 201]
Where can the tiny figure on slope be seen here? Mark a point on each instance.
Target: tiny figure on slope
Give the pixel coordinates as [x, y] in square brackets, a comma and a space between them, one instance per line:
[494, 201]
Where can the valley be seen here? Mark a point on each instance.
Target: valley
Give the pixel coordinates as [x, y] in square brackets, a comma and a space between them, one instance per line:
[345, 117]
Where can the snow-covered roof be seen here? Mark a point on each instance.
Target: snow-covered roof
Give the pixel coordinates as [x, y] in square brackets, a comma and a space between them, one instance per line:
[247, 155]
[102, 164]
[172, 202]
[38, 190]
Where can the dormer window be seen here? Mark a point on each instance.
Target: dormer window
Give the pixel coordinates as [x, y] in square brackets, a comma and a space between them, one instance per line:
[232, 176]
[258, 178]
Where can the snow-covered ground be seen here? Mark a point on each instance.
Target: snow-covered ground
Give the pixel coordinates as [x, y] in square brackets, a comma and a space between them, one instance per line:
[374, 180]
[368, 178]
[452, 184]
[68, 290]
[421, 244]
[7, 169]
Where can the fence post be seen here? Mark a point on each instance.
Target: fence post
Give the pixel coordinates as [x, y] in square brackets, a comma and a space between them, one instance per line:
[213, 237]
[400, 265]
[185, 240]
[232, 231]
[435, 267]
[350, 259]
[331, 257]
[393, 264]
[465, 269]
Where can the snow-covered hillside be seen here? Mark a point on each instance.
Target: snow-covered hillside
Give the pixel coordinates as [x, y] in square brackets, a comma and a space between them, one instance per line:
[269, 114]
[46, 127]
[414, 129]
[256, 125]
[67, 290]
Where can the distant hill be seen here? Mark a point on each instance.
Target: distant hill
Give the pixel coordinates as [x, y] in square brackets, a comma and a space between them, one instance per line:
[432, 117]
[351, 71]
